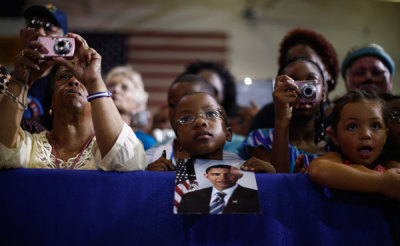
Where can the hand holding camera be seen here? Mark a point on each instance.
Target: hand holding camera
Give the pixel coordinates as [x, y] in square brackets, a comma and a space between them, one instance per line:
[285, 96]
[30, 63]
[289, 93]
[58, 46]
[85, 64]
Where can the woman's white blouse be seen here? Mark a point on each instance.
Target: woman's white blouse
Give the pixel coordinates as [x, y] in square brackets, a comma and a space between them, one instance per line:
[35, 151]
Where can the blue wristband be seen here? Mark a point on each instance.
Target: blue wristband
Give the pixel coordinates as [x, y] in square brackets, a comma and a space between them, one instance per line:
[93, 96]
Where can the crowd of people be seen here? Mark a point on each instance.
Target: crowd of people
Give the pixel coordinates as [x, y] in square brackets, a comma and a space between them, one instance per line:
[60, 113]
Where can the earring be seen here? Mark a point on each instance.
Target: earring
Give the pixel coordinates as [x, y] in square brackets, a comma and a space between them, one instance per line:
[50, 111]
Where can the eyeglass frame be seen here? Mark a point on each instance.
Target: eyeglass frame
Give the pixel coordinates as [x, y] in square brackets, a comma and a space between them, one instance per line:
[202, 114]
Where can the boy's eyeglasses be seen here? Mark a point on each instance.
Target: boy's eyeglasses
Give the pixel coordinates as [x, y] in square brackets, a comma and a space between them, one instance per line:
[37, 24]
[395, 116]
[211, 114]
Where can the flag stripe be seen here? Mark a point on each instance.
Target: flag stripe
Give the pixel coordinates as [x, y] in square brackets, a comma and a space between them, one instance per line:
[173, 55]
[175, 47]
[170, 34]
[157, 61]
[161, 56]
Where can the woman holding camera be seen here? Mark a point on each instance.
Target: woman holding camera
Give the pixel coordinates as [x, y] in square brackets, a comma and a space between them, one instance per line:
[87, 133]
[299, 130]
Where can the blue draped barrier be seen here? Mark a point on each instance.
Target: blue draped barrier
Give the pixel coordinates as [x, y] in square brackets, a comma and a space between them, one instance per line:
[59, 207]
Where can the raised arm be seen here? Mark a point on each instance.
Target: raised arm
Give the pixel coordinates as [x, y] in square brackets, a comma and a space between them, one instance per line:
[328, 170]
[86, 67]
[29, 66]
[285, 97]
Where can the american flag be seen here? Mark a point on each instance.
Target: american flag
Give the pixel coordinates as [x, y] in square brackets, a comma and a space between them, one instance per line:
[160, 56]
[185, 180]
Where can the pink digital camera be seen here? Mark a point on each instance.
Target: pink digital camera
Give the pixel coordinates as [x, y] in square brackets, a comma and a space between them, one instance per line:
[58, 46]
[308, 91]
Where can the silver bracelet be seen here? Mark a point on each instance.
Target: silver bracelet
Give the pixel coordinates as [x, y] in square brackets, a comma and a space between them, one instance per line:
[20, 83]
[15, 99]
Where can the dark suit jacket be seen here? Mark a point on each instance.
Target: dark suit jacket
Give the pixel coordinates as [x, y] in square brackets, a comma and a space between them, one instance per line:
[243, 200]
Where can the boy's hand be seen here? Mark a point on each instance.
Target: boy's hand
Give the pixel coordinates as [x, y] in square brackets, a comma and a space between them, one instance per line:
[259, 166]
[299, 166]
[161, 164]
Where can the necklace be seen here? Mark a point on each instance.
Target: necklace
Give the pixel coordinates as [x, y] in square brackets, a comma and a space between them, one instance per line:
[79, 156]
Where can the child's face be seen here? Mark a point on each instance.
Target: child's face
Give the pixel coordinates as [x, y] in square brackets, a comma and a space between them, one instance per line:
[204, 137]
[393, 108]
[361, 132]
[304, 70]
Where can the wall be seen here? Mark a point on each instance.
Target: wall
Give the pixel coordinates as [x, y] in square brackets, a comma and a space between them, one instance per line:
[253, 43]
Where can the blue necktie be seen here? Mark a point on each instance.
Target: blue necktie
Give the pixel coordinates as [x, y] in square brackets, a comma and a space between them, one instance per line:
[218, 205]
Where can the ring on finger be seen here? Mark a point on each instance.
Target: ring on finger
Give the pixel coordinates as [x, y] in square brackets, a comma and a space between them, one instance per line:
[22, 52]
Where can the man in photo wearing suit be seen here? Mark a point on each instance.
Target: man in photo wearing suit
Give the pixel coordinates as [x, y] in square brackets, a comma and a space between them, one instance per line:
[225, 196]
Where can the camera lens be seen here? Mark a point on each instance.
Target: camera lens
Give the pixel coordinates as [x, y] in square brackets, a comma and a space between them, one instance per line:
[308, 91]
[62, 46]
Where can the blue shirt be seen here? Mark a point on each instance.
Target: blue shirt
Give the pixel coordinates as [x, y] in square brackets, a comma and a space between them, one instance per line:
[147, 140]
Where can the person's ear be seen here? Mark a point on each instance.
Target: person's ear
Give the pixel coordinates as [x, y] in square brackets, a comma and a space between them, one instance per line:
[228, 133]
[389, 86]
[206, 175]
[332, 135]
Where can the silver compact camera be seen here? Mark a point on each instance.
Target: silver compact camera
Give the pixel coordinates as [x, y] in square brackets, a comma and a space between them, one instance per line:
[58, 46]
[308, 91]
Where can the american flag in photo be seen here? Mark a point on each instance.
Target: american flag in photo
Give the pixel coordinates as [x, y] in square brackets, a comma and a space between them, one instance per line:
[185, 180]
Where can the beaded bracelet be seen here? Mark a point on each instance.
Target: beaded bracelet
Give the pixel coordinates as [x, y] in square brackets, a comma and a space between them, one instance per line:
[96, 95]
[5, 79]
